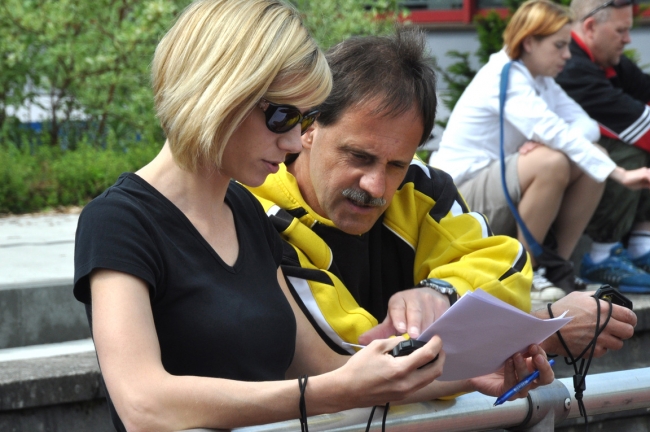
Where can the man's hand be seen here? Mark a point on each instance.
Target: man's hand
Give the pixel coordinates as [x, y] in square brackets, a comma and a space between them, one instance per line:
[579, 332]
[515, 369]
[409, 311]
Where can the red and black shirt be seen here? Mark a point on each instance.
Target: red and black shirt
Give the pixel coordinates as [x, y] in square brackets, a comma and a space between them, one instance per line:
[616, 97]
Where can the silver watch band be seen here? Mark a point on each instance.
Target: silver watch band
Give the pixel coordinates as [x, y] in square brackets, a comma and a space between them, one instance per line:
[443, 287]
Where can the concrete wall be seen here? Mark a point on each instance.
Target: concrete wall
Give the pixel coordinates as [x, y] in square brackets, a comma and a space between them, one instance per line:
[63, 393]
[35, 314]
[53, 394]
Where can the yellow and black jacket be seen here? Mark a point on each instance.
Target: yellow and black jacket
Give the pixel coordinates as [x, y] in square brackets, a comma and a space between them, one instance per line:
[342, 281]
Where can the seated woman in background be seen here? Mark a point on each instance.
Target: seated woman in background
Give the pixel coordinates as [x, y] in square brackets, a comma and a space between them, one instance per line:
[179, 266]
[555, 174]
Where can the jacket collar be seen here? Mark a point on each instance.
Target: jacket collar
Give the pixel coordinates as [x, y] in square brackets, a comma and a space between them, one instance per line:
[610, 72]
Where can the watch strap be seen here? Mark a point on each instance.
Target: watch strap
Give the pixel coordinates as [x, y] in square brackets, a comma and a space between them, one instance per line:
[443, 287]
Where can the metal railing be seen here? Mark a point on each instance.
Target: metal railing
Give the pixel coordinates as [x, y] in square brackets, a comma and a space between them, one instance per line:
[545, 407]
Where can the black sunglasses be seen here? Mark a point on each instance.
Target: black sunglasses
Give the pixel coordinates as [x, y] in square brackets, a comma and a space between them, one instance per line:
[612, 3]
[283, 118]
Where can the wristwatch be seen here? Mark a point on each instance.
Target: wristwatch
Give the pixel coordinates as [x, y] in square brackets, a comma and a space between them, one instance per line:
[443, 287]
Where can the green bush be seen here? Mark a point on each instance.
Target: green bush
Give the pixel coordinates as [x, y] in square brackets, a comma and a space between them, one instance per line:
[46, 177]
[20, 176]
[93, 58]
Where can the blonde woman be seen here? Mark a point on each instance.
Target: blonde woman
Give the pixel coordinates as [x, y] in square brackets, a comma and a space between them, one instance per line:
[179, 266]
[555, 174]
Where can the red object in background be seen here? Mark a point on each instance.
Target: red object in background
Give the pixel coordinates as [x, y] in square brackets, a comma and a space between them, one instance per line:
[470, 8]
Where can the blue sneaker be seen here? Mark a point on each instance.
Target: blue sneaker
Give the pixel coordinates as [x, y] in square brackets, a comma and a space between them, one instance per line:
[617, 270]
[642, 262]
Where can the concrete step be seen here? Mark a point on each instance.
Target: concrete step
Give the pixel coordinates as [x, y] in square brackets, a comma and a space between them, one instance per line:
[43, 351]
[53, 387]
[56, 386]
[35, 313]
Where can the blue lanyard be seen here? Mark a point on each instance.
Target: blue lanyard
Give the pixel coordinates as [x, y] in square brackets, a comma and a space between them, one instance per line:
[534, 246]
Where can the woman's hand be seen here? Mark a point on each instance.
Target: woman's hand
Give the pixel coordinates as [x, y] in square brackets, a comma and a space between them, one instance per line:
[373, 376]
[528, 147]
[632, 179]
[515, 369]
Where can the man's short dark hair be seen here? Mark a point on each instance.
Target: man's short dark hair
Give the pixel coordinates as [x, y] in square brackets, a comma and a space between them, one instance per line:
[396, 68]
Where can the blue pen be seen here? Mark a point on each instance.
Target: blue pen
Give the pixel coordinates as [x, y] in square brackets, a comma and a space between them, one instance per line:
[517, 388]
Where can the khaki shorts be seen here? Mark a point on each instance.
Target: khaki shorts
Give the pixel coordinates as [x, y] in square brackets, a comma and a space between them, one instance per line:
[484, 194]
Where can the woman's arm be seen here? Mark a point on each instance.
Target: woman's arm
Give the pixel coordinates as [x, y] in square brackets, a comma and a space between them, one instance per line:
[146, 397]
[633, 179]
[568, 109]
[531, 115]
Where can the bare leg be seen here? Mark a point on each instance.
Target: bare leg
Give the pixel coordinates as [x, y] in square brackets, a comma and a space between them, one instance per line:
[544, 174]
[578, 205]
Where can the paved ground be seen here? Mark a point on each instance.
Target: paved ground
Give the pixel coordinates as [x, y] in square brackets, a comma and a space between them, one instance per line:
[37, 249]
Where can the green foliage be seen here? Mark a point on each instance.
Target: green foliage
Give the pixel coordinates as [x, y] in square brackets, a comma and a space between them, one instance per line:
[457, 77]
[489, 29]
[83, 60]
[87, 64]
[332, 21]
[46, 176]
[90, 60]
[634, 55]
[20, 176]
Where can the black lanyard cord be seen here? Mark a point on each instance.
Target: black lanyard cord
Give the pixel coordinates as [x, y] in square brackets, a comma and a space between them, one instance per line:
[383, 420]
[302, 385]
[579, 385]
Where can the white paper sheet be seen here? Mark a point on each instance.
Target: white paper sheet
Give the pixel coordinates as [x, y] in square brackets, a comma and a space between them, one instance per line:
[480, 332]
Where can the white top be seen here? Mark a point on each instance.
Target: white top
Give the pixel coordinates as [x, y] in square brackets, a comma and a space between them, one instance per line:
[536, 109]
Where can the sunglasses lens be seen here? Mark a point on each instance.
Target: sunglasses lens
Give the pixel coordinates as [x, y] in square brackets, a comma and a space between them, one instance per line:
[621, 3]
[308, 120]
[282, 118]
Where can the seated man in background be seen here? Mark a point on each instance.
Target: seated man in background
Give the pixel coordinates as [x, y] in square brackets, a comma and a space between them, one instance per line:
[370, 231]
[616, 93]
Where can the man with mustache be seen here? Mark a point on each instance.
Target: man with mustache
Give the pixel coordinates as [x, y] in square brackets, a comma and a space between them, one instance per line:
[370, 231]
[616, 93]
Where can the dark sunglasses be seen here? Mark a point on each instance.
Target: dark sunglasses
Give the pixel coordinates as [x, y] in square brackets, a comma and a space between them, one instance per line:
[283, 118]
[612, 3]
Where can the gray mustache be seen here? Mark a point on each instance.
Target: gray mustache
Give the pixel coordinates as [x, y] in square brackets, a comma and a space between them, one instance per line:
[363, 198]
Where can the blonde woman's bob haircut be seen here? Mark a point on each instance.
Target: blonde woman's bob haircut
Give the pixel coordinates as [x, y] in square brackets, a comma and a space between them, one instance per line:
[536, 18]
[216, 63]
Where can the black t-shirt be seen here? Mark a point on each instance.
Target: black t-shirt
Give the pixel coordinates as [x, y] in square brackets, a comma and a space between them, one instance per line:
[373, 266]
[211, 319]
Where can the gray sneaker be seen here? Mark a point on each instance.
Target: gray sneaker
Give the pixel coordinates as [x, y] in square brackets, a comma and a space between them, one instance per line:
[543, 291]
